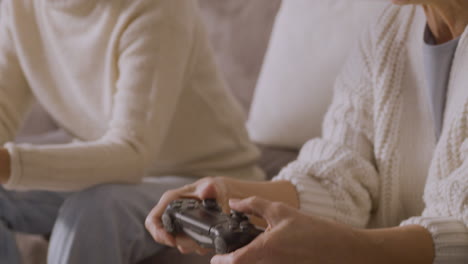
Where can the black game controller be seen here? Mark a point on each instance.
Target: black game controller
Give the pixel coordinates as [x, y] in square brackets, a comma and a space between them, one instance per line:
[205, 223]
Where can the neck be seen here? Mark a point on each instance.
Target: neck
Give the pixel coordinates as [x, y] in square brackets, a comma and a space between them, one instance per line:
[447, 19]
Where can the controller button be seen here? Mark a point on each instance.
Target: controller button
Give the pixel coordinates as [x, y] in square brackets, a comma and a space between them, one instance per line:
[233, 225]
[238, 215]
[244, 226]
[176, 205]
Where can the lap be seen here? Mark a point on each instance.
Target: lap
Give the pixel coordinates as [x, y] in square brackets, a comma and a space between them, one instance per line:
[30, 211]
[36, 211]
[109, 218]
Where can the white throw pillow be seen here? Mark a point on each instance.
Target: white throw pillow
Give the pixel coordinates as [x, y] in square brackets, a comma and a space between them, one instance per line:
[310, 42]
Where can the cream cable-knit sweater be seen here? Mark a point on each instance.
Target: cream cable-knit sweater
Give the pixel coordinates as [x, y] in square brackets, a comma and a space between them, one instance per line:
[353, 174]
[133, 80]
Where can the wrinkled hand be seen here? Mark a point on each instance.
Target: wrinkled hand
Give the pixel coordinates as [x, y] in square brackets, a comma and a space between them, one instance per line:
[207, 188]
[292, 237]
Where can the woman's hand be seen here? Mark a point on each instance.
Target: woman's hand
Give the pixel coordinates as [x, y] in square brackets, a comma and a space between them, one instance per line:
[208, 188]
[293, 237]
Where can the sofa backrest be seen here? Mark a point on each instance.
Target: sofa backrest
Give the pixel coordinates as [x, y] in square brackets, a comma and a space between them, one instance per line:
[240, 32]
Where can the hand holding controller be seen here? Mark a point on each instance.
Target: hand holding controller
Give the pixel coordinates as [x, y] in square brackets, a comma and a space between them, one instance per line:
[205, 223]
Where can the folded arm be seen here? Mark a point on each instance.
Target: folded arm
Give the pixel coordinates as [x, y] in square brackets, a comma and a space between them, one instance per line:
[153, 55]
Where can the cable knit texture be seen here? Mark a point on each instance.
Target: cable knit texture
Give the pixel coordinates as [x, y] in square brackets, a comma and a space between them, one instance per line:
[353, 173]
[134, 81]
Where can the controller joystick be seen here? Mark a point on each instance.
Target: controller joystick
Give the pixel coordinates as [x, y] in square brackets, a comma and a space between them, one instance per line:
[211, 204]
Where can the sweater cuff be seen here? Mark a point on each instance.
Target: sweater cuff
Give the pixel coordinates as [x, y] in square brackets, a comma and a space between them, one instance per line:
[314, 199]
[15, 163]
[450, 238]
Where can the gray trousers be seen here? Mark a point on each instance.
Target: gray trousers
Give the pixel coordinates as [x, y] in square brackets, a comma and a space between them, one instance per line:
[102, 224]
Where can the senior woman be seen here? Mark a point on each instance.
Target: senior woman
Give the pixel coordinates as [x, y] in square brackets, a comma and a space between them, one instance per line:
[397, 131]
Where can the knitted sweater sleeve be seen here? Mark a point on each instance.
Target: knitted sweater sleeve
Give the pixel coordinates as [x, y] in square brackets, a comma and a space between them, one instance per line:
[335, 175]
[152, 60]
[15, 96]
[446, 196]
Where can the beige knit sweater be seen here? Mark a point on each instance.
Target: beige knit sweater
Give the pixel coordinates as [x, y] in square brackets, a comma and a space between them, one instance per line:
[356, 174]
[133, 80]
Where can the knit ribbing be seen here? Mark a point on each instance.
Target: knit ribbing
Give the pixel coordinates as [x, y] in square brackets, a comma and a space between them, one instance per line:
[450, 238]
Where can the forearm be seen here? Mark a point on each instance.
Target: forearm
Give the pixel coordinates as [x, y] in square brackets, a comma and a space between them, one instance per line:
[4, 166]
[408, 244]
[278, 191]
[74, 166]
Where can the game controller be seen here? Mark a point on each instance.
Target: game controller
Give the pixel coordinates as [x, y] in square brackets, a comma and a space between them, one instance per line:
[206, 224]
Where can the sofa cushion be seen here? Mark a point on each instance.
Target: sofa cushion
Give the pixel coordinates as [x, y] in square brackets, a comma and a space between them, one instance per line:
[239, 32]
[310, 42]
